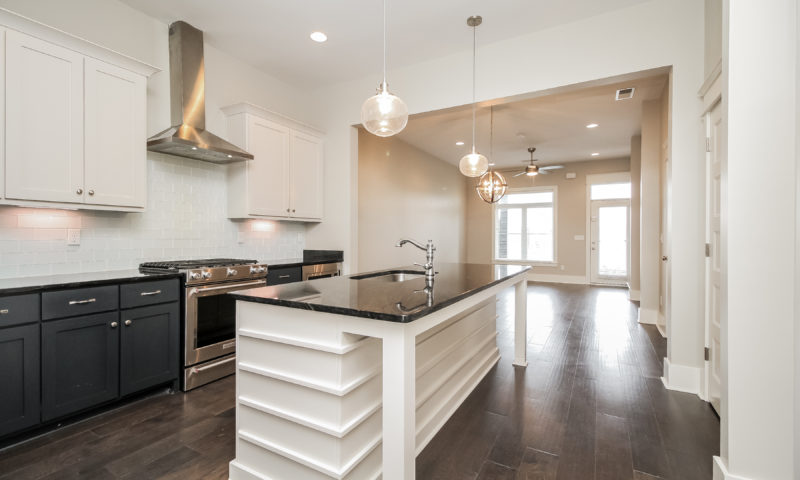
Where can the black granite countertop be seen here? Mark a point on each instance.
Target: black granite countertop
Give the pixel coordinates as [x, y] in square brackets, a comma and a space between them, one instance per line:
[12, 286]
[378, 298]
[285, 262]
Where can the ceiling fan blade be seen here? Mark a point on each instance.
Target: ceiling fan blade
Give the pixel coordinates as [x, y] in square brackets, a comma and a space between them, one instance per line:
[543, 172]
[520, 173]
[551, 167]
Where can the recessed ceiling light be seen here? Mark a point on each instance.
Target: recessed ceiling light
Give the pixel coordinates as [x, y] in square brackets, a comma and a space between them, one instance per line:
[491, 164]
[592, 125]
[459, 144]
[194, 148]
[318, 37]
[594, 154]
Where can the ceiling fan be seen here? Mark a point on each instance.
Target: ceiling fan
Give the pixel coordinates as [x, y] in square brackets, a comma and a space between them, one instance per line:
[531, 169]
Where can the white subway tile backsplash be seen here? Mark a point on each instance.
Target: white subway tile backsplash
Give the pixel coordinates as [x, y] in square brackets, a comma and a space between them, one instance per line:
[185, 218]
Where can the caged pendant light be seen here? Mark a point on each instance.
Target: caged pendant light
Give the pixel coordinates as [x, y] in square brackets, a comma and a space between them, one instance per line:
[384, 114]
[473, 164]
[492, 185]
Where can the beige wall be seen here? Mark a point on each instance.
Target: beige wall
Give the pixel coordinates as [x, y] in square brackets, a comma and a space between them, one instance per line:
[404, 192]
[571, 221]
[713, 35]
[636, 180]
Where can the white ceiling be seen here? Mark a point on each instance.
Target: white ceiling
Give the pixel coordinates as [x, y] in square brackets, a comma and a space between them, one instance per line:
[554, 124]
[273, 35]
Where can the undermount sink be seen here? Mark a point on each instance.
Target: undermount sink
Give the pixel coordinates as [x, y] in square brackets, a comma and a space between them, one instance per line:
[391, 275]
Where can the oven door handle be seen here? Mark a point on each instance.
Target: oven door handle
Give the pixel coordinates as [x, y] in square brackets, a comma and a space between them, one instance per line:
[232, 288]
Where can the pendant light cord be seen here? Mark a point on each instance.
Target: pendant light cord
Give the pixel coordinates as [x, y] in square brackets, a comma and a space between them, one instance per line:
[474, 43]
[384, 42]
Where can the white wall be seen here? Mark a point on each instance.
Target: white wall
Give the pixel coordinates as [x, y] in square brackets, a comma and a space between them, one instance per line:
[650, 35]
[759, 218]
[649, 261]
[634, 282]
[186, 199]
[407, 193]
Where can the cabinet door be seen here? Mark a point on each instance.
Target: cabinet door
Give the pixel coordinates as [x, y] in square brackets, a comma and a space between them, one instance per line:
[149, 346]
[44, 121]
[268, 172]
[116, 156]
[306, 184]
[19, 377]
[80, 363]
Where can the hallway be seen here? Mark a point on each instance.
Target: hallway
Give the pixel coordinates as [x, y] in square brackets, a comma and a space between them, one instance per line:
[589, 405]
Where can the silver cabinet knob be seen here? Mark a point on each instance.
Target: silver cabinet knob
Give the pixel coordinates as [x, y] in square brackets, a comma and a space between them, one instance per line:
[288, 210]
[79, 191]
[128, 323]
[664, 258]
[91, 192]
[114, 324]
[293, 210]
[231, 272]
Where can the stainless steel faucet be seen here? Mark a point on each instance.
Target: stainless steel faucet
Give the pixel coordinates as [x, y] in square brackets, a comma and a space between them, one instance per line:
[429, 249]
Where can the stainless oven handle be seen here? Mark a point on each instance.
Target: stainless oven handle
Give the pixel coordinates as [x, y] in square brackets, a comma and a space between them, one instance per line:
[213, 365]
[229, 287]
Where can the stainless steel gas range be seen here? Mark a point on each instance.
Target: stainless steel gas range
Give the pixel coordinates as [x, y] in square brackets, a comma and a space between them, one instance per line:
[209, 323]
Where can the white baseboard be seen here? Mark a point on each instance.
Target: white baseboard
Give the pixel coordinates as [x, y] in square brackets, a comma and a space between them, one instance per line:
[555, 278]
[648, 316]
[721, 471]
[682, 378]
[633, 295]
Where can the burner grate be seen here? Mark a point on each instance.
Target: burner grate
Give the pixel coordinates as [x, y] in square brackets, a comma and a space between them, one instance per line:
[176, 265]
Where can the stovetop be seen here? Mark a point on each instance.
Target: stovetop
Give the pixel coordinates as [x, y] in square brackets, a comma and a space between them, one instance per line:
[179, 265]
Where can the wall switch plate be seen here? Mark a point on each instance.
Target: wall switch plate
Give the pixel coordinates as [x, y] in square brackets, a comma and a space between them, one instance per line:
[571, 175]
[73, 236]
[580, 237]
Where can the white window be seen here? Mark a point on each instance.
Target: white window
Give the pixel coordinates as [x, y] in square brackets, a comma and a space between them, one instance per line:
[611, 191]
[524, 227]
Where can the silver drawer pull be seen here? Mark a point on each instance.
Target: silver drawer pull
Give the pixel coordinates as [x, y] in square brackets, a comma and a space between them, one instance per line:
[147, 294]
[3, 311]
[82, 302]
[284, 276]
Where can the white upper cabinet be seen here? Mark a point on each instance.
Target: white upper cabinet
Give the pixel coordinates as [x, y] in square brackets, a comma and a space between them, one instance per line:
[115, 157]
[74, 129]
[44, 120]
[284, 180]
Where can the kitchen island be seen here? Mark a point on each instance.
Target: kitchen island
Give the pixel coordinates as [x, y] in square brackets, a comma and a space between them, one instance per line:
[350, 377]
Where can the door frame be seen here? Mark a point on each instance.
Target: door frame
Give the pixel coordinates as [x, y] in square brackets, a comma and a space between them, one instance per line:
[601, 178]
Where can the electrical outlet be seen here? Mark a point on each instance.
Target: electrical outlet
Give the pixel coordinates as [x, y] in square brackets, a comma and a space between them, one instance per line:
[73, 236]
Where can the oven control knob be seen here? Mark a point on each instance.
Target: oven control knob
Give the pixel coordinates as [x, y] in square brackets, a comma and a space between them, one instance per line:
[254, 270]
[194, 276]
[231, 272]
[262, 269]
[206, 275]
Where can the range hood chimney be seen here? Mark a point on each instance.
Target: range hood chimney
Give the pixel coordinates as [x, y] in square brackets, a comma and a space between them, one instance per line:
[188, 137]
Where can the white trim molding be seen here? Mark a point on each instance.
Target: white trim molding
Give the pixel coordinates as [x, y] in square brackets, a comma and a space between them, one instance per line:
[648, 316]
[682, 378]
[633, 295]
[555, 278]
[721, 471]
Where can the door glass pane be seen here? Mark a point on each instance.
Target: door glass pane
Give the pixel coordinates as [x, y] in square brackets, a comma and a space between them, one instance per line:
[528, 197]
[613, 241]
[216, 319]
[509, 234]
[540, 234]
[610, 191]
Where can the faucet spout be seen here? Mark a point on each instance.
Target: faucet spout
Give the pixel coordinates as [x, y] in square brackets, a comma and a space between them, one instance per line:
[412, 242]
[429, 249]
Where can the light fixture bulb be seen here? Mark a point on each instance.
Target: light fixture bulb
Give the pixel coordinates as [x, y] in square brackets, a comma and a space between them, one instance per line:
[384, 114]
[458, 144]
[473, 164]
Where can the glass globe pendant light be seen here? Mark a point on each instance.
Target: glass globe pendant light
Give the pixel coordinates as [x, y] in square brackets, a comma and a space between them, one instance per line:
[473, 164]
[384, 114]
[492, 185]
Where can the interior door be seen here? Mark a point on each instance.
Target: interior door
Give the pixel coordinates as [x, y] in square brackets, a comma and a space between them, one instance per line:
[268, 172]
[610, 241]
[116, 158]
[713, 260]
[666, 266]
[307, 178]
[44, 121]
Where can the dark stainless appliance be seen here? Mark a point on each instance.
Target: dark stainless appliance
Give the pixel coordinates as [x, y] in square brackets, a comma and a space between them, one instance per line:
[322, 264]
[209, 323]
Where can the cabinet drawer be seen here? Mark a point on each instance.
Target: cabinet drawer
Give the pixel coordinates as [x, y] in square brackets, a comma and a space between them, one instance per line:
[19, 309]
[79, 301]
[148, 293]
[278, 275]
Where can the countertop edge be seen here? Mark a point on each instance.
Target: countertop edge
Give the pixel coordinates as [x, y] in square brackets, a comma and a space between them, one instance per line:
[123, 278]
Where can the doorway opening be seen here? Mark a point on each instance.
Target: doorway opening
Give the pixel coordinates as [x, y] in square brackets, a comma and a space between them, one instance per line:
[609, 203]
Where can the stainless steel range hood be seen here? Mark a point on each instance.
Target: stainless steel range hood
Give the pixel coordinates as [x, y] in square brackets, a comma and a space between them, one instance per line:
[188, 137]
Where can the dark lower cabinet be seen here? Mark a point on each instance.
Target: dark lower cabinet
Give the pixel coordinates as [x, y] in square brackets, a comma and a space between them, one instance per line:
[80, 363]
[149, 346]
[19, 378]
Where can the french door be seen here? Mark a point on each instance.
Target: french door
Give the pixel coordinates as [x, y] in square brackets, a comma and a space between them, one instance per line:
[610, 241]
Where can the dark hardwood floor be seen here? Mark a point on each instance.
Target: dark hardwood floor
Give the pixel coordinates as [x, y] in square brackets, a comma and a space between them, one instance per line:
[590, 405]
